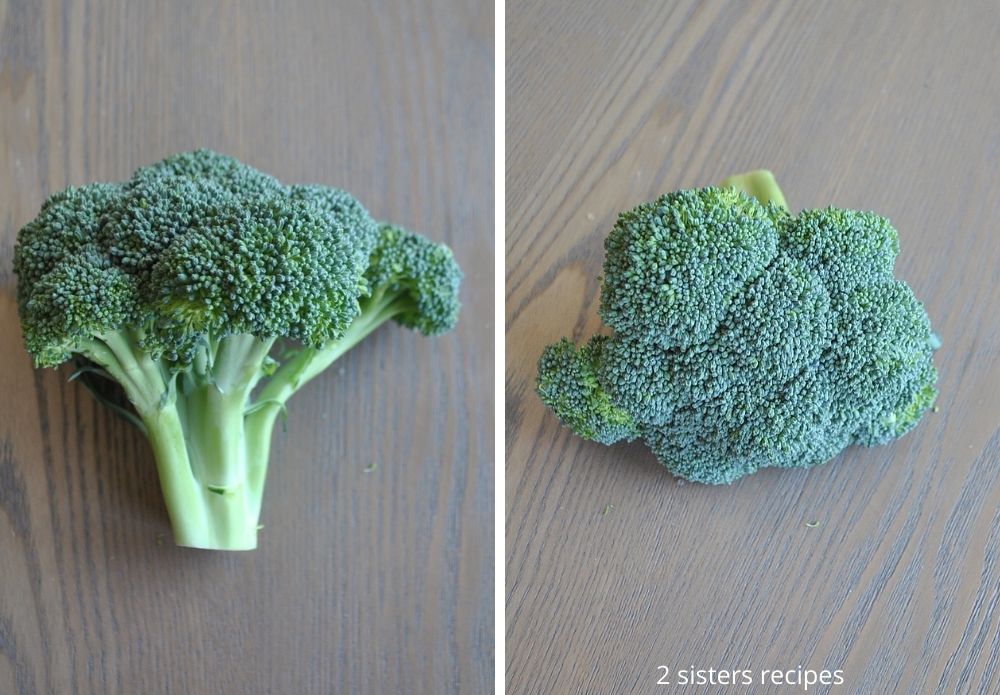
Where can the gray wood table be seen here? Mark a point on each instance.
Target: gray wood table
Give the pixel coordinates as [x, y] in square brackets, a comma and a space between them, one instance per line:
[365, 580]
[884, 563]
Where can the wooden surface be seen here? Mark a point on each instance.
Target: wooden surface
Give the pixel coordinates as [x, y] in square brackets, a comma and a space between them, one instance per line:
[364, 582]
[892, 106]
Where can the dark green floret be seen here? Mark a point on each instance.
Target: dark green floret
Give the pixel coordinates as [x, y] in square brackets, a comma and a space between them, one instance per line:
[567, 382]
[745, 337]
[416, 278]
[179, 284]
[672, 266]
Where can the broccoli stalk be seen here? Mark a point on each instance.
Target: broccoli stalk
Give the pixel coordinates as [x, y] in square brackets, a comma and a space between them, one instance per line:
[759, 184]
[179, 284]
[744, 336]
[210, 435]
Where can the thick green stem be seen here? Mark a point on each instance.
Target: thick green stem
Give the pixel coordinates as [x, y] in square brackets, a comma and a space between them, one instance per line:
[760, 184]
[213, 430]
[197, 435]
[213, 408]
[210, 444]
[258, 448]
[201, 518]
[238, 361]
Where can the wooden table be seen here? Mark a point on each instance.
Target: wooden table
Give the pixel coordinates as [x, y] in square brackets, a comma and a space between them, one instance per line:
[884, 563]
[373, 581]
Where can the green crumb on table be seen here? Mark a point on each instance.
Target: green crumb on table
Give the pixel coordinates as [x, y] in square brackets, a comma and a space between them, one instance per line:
[370, 467]
[260, 526]
[812, 524]
[607, 508]
[159, 538]
[936, 409]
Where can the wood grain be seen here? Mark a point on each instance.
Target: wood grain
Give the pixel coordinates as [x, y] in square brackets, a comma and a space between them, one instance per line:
[892, 106]
[364, 582]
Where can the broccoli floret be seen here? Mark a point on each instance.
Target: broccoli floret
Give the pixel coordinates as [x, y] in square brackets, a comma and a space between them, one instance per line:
[567, 382]
[416, 280]
[746, 337]
[180, 283]
[658, 283]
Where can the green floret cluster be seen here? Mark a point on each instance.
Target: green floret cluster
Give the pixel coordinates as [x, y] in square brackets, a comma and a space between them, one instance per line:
[568, 383]
[418, 278]
[179, 284]
[746, 337]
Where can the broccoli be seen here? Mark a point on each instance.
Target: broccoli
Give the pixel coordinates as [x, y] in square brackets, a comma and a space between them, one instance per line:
[210, 293]
[744, 336]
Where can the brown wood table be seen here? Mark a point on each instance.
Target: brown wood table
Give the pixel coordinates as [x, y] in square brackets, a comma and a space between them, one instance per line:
[366, 580]
[884, 563]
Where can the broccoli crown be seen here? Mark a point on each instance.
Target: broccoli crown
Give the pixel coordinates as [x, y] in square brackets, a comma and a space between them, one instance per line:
[423, 275]
[170, 291]
[745, 337]
[201, 244]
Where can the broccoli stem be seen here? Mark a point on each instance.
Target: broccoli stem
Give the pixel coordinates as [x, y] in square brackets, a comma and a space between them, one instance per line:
[238, 361]
[197, 434]
[199, 445]
[200, 516]
[213, 405]
[308, 362]
[210, 443]
[120, 355]
[296, 372]
[213, 428]
[166, 435]
[759, 184]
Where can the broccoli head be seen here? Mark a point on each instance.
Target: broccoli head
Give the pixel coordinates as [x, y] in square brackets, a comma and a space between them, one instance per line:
[745, 337]
[180, 283]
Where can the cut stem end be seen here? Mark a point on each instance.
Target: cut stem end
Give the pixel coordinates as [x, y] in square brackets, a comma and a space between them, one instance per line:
[759, 184]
